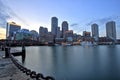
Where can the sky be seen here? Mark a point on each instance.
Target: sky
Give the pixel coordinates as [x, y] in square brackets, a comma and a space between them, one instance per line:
[80, 14]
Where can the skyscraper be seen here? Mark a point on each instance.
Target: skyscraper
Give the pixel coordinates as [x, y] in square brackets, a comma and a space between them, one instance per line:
[58, 33]
[64, 27]
[54, 25]
[95, 31]
[111, 30]
[11, 28]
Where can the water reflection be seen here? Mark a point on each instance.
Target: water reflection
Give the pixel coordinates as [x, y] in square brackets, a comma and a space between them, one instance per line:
[23, 59]
[75, 62]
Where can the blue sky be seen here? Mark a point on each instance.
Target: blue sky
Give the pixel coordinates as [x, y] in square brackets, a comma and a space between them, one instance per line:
[32, 14]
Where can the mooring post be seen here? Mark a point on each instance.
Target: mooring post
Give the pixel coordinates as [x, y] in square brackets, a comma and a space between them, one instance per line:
[23, 52]
[7, 52]
[23, 49]
[2, 48]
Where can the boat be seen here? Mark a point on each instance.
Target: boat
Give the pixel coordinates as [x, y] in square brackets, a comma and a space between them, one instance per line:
[66, 44]
[87, 43]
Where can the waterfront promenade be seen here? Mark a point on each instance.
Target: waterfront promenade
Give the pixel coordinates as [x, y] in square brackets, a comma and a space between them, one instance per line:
[8, 71]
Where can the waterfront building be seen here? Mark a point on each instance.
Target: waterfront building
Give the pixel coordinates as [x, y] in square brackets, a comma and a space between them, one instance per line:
[58, 33]
[69, 36]
[23, 34]
[86, 36]
[76, 37]
[11, 28]
[34, 34]
[95, 32]
[105, 40]
[111, 30]
[43, 30]
[43, 34]
[50, 38]
[59, 40]
[64, 28]
[54, 25]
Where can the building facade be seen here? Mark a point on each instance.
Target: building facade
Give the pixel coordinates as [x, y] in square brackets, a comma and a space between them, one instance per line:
[11, 28]
[86, 36]
[111, 30]
[43, 34]
[50, 38]
[58, 32]
[69, 36]
[43, 31]
[34, 34]
[54, 25]
[23, 34]
[95, 32]
[64, 28]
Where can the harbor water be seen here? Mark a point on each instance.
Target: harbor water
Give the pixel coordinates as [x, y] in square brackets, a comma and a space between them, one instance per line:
[75, 62]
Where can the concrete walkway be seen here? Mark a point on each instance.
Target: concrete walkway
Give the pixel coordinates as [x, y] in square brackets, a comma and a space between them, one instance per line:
[8, 71]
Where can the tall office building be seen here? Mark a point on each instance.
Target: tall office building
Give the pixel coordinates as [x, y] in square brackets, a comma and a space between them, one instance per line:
[58, 33]
[111, 30]
[11, 28]
[54, 25]
[64, 27]
[95, 32]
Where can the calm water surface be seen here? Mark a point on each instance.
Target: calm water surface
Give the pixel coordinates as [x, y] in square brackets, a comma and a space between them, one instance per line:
[75, 62]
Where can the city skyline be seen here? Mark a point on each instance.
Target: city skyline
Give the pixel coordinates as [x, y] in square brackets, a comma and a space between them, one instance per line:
[80, 14]
[14, 32]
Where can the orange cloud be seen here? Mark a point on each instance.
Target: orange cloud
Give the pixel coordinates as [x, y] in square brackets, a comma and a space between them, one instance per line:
[2, 33]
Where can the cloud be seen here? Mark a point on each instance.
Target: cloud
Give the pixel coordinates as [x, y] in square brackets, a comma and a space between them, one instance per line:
[2, 33]
[75, 24]
[102, 21]
[6, 13]
[78, 27]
